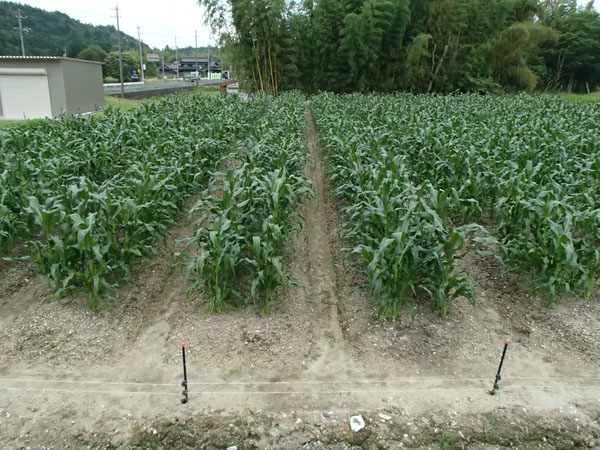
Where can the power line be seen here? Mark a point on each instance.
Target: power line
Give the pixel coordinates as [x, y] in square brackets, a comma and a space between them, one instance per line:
[302, 392]
[394, 380]
[21, 29]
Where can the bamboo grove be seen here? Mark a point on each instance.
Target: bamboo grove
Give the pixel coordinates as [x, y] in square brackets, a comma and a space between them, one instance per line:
[409, 45]
[519, 173]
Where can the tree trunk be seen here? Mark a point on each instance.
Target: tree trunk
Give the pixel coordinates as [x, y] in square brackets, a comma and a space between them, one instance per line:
[435, 69]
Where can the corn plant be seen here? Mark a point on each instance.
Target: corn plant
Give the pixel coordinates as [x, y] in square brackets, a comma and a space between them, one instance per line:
[217, 263]
[399, 229]
[266, 262]
[258, 202]
[526, 168]
[94, 195]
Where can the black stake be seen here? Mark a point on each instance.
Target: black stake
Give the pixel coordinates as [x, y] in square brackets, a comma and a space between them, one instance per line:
[184, 383]
[498, 376]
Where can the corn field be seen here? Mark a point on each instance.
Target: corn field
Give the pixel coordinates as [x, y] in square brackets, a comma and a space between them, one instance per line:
[422, 180]
[249, 211]
[422, 175]
[94, 195]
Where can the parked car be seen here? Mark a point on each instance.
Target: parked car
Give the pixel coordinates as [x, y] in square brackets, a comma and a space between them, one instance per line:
[191, 76]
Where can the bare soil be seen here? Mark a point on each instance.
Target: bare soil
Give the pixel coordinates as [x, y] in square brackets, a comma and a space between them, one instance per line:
[70, 378]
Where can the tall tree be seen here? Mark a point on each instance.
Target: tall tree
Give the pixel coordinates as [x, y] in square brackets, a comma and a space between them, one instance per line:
[511, 50]
[417, 45]
[328, 23]
[552, 11]
[361, 39]
[575, 60]
[258, 33]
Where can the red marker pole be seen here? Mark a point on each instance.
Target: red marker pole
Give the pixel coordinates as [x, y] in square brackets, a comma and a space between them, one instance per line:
[184, 383]
[498, 376]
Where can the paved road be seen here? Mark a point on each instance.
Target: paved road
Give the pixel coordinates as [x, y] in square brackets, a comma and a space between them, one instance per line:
[112, 90]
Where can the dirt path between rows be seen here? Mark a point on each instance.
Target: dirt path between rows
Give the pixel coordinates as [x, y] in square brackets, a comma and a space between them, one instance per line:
[293, 378]
[334, 361]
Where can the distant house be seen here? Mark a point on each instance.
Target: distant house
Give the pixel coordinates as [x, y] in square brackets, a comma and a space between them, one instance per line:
[189, 65]
[47, 86]
[166, 68]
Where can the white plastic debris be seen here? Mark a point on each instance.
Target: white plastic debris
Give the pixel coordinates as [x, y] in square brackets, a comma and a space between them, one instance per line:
[385, 417]
[357, 423]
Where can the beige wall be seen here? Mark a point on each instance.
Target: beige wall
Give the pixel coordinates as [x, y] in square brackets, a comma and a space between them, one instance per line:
[58, 101]
[83, 86]
[24, 94]
[75, 86]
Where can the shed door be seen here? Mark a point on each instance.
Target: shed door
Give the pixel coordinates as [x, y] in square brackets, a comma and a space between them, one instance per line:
[24, 93]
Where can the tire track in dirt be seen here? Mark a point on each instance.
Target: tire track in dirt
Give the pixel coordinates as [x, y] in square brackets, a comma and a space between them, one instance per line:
[333, 359]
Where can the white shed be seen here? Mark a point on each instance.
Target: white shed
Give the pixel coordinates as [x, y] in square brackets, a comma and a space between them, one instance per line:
[47, 86]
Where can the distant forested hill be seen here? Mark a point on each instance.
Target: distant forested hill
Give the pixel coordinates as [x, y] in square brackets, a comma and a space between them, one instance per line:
[51, 32]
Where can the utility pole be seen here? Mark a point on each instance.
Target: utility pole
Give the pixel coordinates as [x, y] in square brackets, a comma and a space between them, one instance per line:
[21, 29]
[141, 59]
[176, 59]
[208, 64]
[197, 73]
[120, 56]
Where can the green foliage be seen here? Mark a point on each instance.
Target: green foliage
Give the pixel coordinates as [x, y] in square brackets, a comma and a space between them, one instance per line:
[111, 67]
[593, 97]
[419, 46]
[51, 32]
[412, 168]
[93, 195]
[93, 53]
[554, 10]
[151, 70]
[255, 211]
[575, 61]
[258, 42]
[123, 104]
[417, 61]
[510, 51]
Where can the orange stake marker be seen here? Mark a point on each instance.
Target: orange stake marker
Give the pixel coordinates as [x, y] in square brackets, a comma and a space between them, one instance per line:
[184, 383]
[498, 375]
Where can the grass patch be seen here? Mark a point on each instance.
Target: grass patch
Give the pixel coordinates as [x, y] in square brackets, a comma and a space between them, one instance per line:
[207, 90]
[10, 123]
[24, 122]
[124, 104]
[594, 97]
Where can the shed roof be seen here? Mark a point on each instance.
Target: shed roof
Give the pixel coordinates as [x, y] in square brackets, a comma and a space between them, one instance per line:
[44, 58]
[212, 60]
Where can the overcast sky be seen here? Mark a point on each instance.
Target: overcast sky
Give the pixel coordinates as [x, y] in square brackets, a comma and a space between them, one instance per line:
[159, 20]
